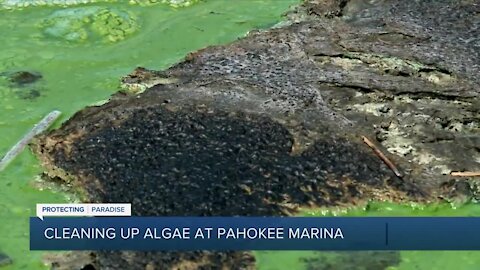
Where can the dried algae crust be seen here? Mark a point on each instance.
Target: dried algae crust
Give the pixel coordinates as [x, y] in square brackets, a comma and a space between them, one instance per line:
[273, 121]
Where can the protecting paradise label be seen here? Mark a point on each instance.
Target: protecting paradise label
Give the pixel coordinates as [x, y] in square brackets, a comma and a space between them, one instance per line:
[83, 209]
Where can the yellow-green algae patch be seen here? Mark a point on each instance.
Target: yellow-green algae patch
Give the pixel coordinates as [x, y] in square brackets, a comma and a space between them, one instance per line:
[90, 23]
[19, 4]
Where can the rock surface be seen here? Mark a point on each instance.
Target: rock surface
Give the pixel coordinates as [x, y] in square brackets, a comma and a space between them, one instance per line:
[274, 121]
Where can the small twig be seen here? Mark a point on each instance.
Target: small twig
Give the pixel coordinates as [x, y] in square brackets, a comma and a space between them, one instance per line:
[19, 146]
[465, 174]
[382, 157]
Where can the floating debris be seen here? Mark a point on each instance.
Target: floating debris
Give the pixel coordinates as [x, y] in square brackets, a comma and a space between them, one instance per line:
[37, 129]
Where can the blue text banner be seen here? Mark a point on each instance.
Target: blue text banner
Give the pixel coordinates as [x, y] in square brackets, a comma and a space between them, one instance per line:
[254, 233]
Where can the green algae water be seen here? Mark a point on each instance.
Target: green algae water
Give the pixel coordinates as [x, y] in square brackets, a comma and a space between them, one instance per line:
[81, 52]
[78, 52]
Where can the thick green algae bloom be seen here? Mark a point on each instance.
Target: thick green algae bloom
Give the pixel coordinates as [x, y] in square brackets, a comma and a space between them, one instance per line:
[18, 4]
[90, 23]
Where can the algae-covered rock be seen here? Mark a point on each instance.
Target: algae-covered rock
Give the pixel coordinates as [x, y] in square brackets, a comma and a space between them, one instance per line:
[4, 259]
[90, 23]
[24, 84]
[371, 260]
[22, 78]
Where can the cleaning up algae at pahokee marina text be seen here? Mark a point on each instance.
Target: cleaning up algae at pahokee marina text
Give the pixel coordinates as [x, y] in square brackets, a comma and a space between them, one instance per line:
[357, 108]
